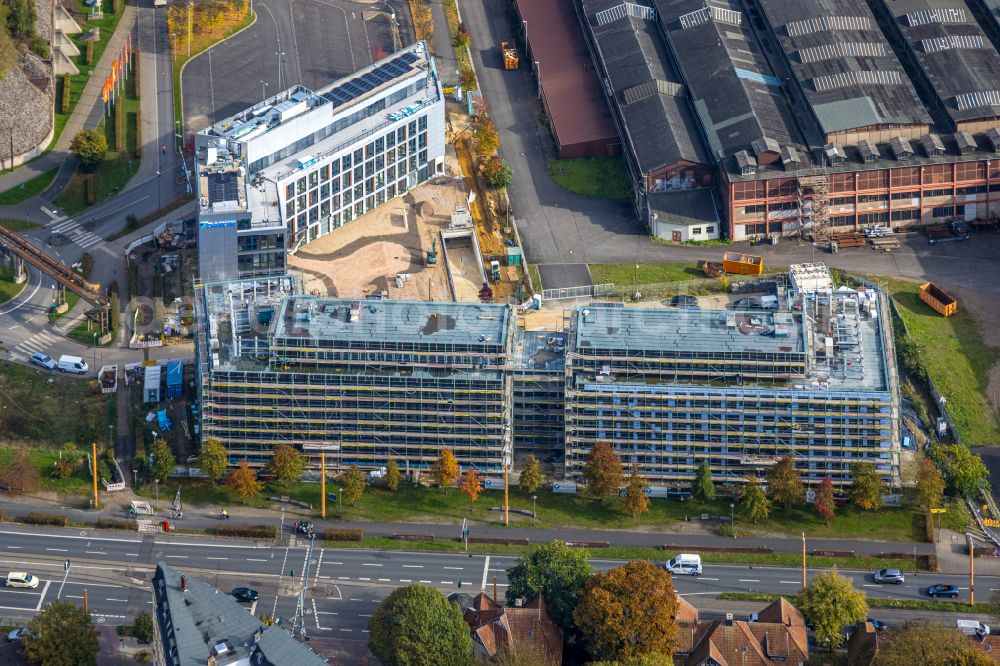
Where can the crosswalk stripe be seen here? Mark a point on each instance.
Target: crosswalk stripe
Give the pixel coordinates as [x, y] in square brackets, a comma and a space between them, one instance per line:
[67, 225]
[91, 240]
[56, 220]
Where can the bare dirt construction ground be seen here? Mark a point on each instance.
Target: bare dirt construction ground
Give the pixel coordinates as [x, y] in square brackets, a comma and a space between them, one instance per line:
[364, 256]
[984, 308]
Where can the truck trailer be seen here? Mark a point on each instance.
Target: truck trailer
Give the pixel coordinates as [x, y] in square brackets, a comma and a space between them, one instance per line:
[509, 52]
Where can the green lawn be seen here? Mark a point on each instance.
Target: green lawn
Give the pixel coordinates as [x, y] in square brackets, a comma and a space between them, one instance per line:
[18, 225]
[118, 167]
[8, 289]
[431, 505]
[602, 177]
[956, 358]
[646, 273]
[536, 277]
[84, 333]
[49, 409]
[79, 483]
[72, 298]
[31, 188]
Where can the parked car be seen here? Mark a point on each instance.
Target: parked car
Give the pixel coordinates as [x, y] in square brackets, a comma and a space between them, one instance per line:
[684, 301]
[44, 360]
[21, 579]
[244, 594]
[685, 564]
[17, 634]
[747, 304]
[942, 590]
[890, 576]
[878, 625]
[73, 364]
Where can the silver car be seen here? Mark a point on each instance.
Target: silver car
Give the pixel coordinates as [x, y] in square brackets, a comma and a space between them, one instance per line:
[890, 576]
[44, 360]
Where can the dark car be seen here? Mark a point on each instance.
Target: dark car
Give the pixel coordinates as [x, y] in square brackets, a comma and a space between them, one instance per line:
[245, 594]
[890, 576]
[684, 301]
[941, 590]
[747, 304]
[878, 625]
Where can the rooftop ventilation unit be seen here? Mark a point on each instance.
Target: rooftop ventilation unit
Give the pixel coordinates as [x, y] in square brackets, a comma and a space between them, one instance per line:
[746, 163]
[993, 136]
[901, 148]
[868, 151]
[966, 144]
[835, 154]
[932, 144]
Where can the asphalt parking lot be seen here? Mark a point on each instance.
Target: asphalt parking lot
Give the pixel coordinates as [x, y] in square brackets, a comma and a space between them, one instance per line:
[321, 40]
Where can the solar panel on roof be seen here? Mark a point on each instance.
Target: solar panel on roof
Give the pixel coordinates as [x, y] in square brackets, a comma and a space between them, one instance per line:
[936, 44]
[978, 99]
[841, 50]
[856, 78]
[937, 15]
[827, 24]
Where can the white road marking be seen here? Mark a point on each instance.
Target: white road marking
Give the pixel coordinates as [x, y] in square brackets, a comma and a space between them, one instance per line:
[368, 579]
[118, 600]
[369, 564]
[703, 578]
[405, 580]
[447, 582]
[791, 582]
[413, 566]
[455, 568]
[749, 580]
[426, 582]
[486, 568]
[251, 559]
[179, 557]
[383, 580]
[216, 558]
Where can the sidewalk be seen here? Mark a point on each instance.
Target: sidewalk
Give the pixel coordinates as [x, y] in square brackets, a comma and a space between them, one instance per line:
[444, 52]
[90, 97]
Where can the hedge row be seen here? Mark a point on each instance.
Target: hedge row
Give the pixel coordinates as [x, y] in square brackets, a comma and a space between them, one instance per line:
[500, 541]
[90, 53]
[343, 534]
[91, 195]
[44, 519]
[761, 550]
[67, 88]
[138, 132]
[251, 531]
[114, 524]
[929, 534]
[119, 125]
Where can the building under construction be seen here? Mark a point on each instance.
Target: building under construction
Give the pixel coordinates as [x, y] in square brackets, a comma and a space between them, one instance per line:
[671, 389]
[364, 381]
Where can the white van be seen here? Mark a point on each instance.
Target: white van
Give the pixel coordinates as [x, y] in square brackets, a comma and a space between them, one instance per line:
[73, 364]
[973, 628]
[769, 302]
[684, 564]
[21, 579]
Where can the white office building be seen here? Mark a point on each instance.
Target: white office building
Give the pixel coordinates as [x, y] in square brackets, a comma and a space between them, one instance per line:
[300, 164]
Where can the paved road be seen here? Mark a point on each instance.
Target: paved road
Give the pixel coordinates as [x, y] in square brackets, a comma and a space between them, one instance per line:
[344, 585]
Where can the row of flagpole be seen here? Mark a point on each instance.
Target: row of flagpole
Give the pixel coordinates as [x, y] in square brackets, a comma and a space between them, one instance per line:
[114, 85]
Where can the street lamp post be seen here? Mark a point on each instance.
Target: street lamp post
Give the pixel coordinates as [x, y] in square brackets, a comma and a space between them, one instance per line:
[263, 93]
[156, 485]
[732, 518]
[95, 352]
[135, 478]
[534, 513]
[280, 54]
[340, 495]
[538, 75]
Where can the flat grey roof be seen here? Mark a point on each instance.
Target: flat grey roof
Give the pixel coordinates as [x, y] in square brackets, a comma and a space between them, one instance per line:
[418, 322]
[533, 351]
[960, 62]
[846, 67]
[684, 331]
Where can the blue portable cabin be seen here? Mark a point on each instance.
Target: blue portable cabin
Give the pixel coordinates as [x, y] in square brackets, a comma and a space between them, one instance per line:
[175, 379]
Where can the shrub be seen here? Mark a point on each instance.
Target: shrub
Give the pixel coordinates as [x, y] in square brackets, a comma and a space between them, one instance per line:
[497, 172]
[467, 77]
[142, 657]
[135, 72]
[90, 53]
[44, 519]
[249, 531]
[91, 196]
[462, 38]
[67, 88]
[131, 221]
[39, 46]
[119, 126]
[138, 132]
[343, 535]
[143, 630]
[116, 6]
[114, 524]
[929, 534]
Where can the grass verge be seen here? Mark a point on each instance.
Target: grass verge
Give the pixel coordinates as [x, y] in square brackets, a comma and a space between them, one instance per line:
[18, 225]
[536, 277]
[29, 189]
[629, 553]
[84, 334]
[645, 274]
[601, 177]
[935, 605]
[43, 408]
[72, 298]
[956, 358]
[8, 289]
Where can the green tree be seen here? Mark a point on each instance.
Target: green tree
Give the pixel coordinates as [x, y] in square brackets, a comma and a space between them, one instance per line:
[445, 468]
[754, 504]
[353, 483]
[143, 629]
[783, 483]
[620, 622]
[831, 603]
[213, 459]
[243, 483]
[702, 487]
[649, 659]
[964, 470]
[21, 17]
[930, 485]
[416, 625]
[927, 643]
[497, 172]
[163, 460]
[287, 464]
[90, 147]
[392, 476]
[61, 635]
[603, 470]
[531, 475]
[554, 570]
[867, 486]
[824, 503]
[636, 501]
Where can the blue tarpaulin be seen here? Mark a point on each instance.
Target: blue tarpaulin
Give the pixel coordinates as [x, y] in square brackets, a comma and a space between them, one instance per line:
[175, 379]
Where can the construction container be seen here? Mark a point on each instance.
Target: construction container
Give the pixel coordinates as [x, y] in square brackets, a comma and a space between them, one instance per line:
[742, 264]
[175, 379]
[510, 59]
[151, 384]
[513, 256]
[935, 297]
